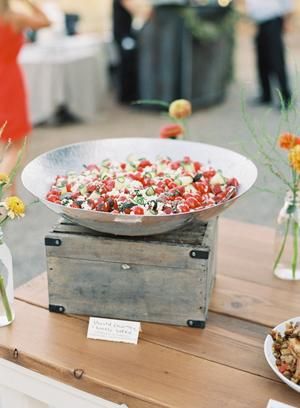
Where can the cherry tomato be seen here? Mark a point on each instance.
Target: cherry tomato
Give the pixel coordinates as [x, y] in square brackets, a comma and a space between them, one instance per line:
[75, 205]
[219, 197]
[90, 188]
[175, 165]
[145, 163]
[159, 190]
[69, 187]
[197, 166]
[104, 207]
[233, 182]
[283, 367]
[168, 210]
[192, 202]
[91, 203]
[74, 196]
[209, 173]
[172, 185]
[138, 210]
[183, 208]
[110, 185]
[53, 198]
[92, 167]
[201, 187]
[216, 189]
[57, 193]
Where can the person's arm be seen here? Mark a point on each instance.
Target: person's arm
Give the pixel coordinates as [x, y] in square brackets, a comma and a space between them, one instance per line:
[288, 9]
[36, 20]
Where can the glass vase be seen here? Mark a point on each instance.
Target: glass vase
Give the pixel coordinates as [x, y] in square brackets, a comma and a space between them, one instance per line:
[6, 284]
[287, 239]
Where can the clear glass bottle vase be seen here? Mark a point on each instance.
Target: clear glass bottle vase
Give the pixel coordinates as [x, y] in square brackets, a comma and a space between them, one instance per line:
[6, 284]
[287, 239]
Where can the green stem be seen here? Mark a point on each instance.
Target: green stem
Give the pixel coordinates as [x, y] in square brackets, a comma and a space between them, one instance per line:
[5, 301]
[295, 244]
[186, 128]
[152, 102]
[283, 243]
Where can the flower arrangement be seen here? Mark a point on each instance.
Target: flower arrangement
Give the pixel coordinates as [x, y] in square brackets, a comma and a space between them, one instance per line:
[281, 155]
[290, 213]
[11, 208]
[178, 111]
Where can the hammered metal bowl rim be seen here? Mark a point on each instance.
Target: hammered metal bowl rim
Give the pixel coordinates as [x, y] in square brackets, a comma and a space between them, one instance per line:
[133, 216]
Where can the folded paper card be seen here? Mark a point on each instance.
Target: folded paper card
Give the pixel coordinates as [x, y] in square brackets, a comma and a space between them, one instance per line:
[277, 404]
[113, 330]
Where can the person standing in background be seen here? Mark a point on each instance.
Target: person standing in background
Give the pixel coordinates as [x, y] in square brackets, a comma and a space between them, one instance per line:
[126, 45]
[13, 105]
[270, 17]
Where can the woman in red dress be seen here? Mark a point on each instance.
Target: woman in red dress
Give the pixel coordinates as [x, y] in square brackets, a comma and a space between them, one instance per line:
[13, 104]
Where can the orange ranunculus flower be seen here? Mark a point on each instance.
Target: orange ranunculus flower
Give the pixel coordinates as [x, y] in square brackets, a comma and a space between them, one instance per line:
[180, 109]
[287, 140]
[171, 131]
[294, 158]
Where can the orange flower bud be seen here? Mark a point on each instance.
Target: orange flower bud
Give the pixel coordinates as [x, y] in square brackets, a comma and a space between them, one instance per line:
[287, 141]
[180, 109]
[294, 158]
[171, 131]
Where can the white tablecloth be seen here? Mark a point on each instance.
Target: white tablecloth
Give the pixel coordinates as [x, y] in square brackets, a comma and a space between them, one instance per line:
[68, 71]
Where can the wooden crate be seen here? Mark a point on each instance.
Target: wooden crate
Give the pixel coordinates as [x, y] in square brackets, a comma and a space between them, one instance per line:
[164, 278]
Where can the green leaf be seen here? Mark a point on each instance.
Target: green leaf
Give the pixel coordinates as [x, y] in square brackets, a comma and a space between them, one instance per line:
[291, 209]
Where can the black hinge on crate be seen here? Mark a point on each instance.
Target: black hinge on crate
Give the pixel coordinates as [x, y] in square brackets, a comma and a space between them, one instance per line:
[196, 254]
[197, 324]
[53, 242]
[56, 309]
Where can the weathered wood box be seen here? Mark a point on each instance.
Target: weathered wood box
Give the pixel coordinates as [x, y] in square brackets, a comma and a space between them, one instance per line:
[165, 278]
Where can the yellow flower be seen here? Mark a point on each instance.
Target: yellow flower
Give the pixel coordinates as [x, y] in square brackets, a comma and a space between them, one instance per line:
[4, 179]
[15, 207]
[294, 158]
[180, 109]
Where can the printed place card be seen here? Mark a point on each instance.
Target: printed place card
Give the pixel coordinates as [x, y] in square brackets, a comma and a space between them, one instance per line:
[113, 330]
[277, 404]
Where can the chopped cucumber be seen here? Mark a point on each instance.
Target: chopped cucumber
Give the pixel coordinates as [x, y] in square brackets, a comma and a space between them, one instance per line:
[189, 167]
[185, 180]
[217, 179]
[82, 189]
[150, 191]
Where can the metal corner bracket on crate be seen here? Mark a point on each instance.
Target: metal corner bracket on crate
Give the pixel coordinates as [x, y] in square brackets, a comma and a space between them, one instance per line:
[56, 309]
[166, 278]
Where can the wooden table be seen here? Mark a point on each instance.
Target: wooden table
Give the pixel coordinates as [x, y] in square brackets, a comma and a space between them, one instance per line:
[221, 366]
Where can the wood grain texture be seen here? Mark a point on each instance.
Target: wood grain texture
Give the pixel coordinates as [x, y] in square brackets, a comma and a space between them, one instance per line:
[221, 366]
[254, 302]
[160, 294]
[245, 251]
[216, 343]
[197, 233]
[136, 375]
[151, 278]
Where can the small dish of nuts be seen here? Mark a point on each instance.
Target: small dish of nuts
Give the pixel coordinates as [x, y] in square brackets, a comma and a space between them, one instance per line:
[282, 351]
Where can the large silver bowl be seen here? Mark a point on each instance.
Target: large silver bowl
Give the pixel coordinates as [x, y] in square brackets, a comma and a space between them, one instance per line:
[40, 173]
